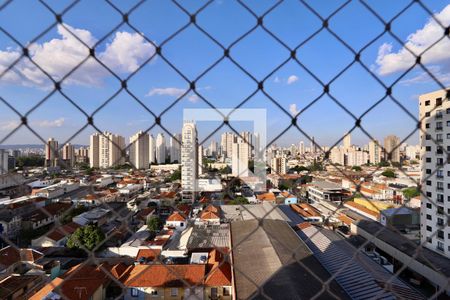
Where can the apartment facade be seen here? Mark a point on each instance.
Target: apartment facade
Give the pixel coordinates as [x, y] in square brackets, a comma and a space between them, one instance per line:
[392, 148]
[139, 150]
[434, 111]
[105, 150]
[51, 153]
[239, 158]
[189, 161]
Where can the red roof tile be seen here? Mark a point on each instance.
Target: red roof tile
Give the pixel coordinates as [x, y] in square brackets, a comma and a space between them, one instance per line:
[176, 216]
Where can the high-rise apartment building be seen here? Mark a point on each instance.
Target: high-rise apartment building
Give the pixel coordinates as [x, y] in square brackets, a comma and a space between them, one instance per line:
[160, 148]
[239, 158]
[3, 161]
[213, 149]
[175, 148]
[200, 159]
[301, 148]
[392, 148]
[94, 150]
[82, 155]
[189, 161]
[248, 138]
[434, 111]
[152, 149]
[347, 141]
[226, 143]
[51, 153]
[68, 155]
[374, 152]
[106, 150]
[278, 165]
[139, 150]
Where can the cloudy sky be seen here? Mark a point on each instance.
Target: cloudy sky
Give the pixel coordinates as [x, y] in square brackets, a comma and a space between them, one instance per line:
[123, 49]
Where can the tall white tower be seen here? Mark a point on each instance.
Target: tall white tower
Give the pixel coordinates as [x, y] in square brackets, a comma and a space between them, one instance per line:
[189, 161]
[139, 150]
[160, 149]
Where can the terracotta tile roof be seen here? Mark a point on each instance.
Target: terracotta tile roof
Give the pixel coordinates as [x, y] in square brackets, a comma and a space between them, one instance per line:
[209, 215]
[143, 213]
[60, 232]
[266, 197]
[43, 213]
[176, 216]
[81, 281]
[148, 254]
[220, 275]
[164, 275]
[345, 219]
[303, 225]
[9, 256]
[211, 208]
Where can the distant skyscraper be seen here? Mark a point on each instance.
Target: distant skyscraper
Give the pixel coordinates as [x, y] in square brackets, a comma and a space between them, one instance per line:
[248, 138]
[200, 159]
[106, 150]
[239, 159]
[374, 152]
[94, 150]
[257, 144]
[391, 147]
[301, 148]
[68, 155]
[213, 149]
[82, 155]
[3, 161]
[226, 142]
[278, 165]
[434, 223]
[347, 141]
[160, 148]
[139, 150]
[51, 153]
[152, 149]
[189, 161]
[175, 148]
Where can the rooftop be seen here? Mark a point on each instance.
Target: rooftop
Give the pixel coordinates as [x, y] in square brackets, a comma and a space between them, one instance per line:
[261, 260]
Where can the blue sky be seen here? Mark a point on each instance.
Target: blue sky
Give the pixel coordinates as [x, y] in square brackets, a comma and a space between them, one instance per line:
[157, 85]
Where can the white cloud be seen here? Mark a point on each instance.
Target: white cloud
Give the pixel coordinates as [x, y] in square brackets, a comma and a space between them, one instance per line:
[389, 61]
[423, 77]
[60, 55]
[49, 123]
[169, 91]
[193, 98]
[8, 125]
[175, 92]
[293, 109]
[291, 79]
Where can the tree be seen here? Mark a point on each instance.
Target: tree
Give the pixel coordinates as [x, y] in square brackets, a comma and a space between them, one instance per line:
[283, 186]
[411, 192]
[225, 170]
[357, 168]
[239, 200]
[30, 161]
[154, 224]
[89, 237]
[67, 218]
[176, 175]
[316, 166]
[389, 173]
[383, 164]
[298, 169]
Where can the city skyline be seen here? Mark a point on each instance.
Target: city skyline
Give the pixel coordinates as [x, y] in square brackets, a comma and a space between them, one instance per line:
[226, 86]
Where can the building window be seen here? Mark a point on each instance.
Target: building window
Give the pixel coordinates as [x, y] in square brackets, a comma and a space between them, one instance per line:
[440, 246]
[427, 125]
[428, 137]
[214, 293]
[428, 148]
[134, 292]
[174, 292]
[428, 159]
[448, 110]
[428, 182]
[429, 228]
[429, 217]
[429, 240]
[440, 198]
[429, 206]
[427, 114]
[448, 136]
[440, 222]
[438, 101]
[428, 171]
[154, 292]
[226, 291]
[427, 103]
[429, 194]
